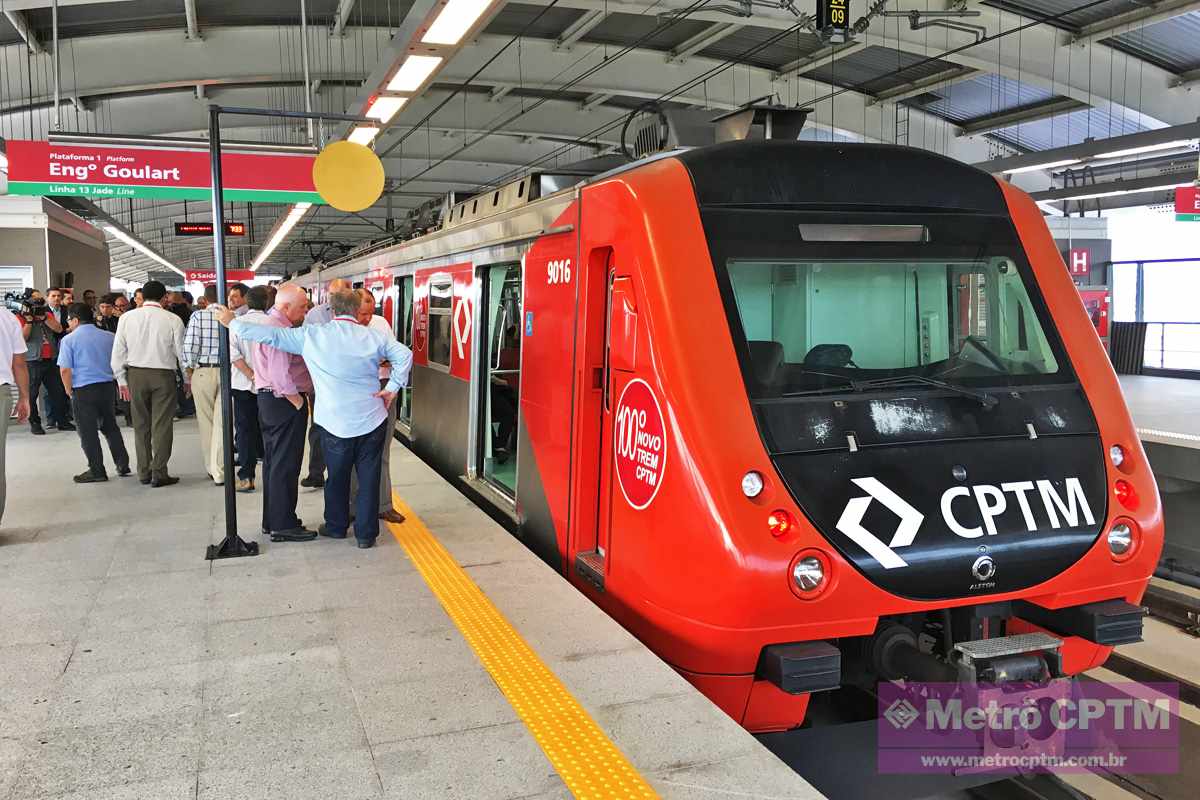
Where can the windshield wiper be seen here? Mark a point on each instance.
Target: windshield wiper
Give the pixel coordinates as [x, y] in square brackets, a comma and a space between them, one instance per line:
[988, 401]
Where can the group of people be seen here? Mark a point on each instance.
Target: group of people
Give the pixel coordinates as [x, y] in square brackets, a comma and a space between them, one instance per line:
[327, 374]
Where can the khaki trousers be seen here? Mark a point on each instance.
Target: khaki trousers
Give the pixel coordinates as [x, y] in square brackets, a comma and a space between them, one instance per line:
[153, 405]
[206, 391]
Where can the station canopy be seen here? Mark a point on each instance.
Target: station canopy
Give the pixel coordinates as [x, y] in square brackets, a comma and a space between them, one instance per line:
[472, 93]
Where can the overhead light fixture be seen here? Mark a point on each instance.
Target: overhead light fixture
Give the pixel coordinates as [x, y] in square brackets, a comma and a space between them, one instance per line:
[1066, 162]
[141, 247]
[285, 227]
[413, 73]
[384, 108]
[363, 134]
[454, 21]
[1117, 192]
[1150, 148]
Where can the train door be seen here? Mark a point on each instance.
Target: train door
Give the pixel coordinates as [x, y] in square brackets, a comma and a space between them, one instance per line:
[403, 289]
[614, 377]
[499, 373]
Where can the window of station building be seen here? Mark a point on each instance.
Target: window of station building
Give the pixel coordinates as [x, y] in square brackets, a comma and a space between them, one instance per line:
[441, 294]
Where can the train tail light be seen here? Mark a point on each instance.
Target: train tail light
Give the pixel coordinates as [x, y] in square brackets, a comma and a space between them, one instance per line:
[1123, 539]
[1126, 495]
[780, 522]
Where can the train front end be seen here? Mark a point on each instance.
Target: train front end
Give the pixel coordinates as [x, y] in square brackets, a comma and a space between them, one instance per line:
[903, 438]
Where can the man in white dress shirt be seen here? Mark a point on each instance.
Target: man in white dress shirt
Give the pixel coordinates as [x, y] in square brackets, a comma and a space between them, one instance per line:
[368, 317]
[13, 372]
[146, 354]
[246, 429]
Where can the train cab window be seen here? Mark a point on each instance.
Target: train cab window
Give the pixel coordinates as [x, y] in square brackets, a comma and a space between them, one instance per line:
[441, 292]
[823, 324]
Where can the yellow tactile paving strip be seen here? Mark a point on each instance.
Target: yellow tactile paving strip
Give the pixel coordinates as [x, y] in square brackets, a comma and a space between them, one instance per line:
[589, 763]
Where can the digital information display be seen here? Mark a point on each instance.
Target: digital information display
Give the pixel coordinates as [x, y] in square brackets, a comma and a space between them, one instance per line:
[833, 20]
[206, 229]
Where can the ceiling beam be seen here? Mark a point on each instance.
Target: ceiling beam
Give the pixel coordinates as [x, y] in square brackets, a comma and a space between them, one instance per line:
[579, 28]
[193, 25]
[914, 88]
[341, 17]
[1187, 79]
[18, 21]
[1134, 20]
[1044, 109]
[703, 40]
[593, 100]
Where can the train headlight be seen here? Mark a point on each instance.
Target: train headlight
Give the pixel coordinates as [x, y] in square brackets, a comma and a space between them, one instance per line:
[1117, 454]
[752, 484]
[1122, 540]
[780, 522]
[809, 574]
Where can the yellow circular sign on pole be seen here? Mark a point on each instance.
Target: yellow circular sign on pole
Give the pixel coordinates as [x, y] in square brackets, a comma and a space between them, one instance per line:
[349, 176]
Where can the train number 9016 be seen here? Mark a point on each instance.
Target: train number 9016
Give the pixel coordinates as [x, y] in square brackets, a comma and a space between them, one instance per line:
[558, 271]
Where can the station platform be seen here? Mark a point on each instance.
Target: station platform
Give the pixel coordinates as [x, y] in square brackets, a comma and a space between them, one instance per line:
[1165, 410]
[448, 662]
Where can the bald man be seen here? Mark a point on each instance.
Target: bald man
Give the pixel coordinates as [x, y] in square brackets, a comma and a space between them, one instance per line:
[319, 315]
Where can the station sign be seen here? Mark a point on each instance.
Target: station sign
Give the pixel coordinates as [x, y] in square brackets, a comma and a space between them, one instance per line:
[206, 229]
[166, 172]
[1187, 204]
[833, 20]
[210, 275]
[1080, 263]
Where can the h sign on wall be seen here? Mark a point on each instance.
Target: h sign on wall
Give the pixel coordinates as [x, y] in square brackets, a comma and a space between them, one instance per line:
[1080, 262]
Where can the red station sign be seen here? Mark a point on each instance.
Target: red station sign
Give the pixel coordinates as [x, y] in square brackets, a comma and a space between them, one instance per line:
[1187, 204]
[93, 170]
[210, 275]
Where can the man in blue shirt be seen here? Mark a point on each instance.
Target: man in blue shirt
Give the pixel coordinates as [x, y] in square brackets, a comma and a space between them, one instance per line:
[84, 361]
[343, 359]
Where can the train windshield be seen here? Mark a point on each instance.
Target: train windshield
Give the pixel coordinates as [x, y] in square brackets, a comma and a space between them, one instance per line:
[895, 314]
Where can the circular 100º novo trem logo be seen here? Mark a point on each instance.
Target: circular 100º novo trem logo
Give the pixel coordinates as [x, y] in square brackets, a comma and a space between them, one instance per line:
[639, 444]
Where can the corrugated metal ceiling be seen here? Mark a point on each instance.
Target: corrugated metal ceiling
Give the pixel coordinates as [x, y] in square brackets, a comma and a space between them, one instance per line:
[513, 18]
[981, 95]
[1173, 44]
[784, 50]
[660, 33]
[1064, 11]
[876, 69]
[1069, 128]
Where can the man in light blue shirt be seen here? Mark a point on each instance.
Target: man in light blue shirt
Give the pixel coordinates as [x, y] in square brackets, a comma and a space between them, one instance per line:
[343, 359]
[319, 315]
[85, 363]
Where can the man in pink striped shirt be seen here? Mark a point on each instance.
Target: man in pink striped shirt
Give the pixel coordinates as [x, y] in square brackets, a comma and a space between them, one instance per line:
[283, 385]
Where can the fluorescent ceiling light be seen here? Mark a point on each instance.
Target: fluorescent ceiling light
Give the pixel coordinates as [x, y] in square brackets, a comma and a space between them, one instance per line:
[138, 245]
[413, 73]
[456, 19]
[293, 216]
[384, 108]
[363, 134]
[1066, 162]
[1150, 148]
[1117, 192]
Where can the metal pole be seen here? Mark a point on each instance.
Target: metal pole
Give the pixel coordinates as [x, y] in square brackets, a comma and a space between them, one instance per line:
[232, 546]
[304, 57]
[57, 71]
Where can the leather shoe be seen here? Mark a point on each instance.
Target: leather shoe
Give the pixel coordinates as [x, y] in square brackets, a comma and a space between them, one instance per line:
[36, 429]
[167, 481]
[245, 485]
[293, 535]
[312, 483]
[392, 515]
[366, 544]
[323, 529]
[144, 481]
[124, 472]
[90, 477]
[65, 426]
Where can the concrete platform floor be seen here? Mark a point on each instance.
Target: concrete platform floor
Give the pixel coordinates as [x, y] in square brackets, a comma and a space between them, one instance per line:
[132, 668]
[1165, 410]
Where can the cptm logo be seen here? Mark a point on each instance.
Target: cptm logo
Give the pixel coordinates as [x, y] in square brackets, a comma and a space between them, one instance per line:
[991, 501]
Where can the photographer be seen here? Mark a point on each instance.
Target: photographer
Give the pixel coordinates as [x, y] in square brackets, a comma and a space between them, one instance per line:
[41, 328]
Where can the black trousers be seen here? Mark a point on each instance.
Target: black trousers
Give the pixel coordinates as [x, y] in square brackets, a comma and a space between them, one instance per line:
[364, 455]
[247, 435]
[44, 372]
[316, 455]
[283, 429]
[95, 414]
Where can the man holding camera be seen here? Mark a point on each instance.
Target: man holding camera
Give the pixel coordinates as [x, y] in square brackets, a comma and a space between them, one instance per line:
[42, 329]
